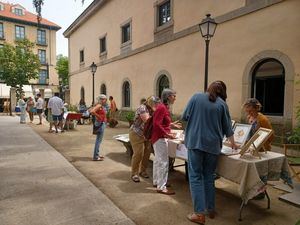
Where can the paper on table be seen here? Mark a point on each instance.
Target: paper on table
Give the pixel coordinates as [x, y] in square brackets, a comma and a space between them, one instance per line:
[229, 151]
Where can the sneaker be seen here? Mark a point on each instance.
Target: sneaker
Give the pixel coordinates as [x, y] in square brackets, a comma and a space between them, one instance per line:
[135, 178]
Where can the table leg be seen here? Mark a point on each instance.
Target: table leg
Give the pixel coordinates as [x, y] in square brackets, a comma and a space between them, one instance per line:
[269, 201]
[240, 212]
[186, 171]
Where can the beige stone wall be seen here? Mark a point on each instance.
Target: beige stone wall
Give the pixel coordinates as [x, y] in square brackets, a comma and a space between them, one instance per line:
[31, 34]
[236, 45]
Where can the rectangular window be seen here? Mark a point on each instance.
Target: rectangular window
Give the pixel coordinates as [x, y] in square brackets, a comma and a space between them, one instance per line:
[103, 45]
[42, 56]
[41, 37]
[81, 56]
[20, 32]
[126, 35]
[43, 76]
[164, 13]
[18, 12]
[1, 30]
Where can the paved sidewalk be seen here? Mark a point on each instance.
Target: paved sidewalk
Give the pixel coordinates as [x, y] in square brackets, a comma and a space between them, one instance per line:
[39, 186]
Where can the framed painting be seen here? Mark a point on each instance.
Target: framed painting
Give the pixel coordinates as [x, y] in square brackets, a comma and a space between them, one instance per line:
[257, 141]
[241, 134]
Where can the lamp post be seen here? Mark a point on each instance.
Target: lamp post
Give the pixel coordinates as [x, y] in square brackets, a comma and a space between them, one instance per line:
[60, 87]
[93, 68]
[207, 27]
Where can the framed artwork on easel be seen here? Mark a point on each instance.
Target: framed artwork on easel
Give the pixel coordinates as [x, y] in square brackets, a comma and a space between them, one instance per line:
[256, 142]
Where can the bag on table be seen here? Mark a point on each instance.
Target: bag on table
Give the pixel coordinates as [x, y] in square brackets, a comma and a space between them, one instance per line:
[148, 127]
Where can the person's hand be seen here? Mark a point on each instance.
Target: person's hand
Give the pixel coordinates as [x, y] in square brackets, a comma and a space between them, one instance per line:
[171, 136]
[176, 125]
[234, 146]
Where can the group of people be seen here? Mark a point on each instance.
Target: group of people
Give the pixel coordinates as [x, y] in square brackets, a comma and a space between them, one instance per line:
[31, 106]
[52, 108]
[207, 121]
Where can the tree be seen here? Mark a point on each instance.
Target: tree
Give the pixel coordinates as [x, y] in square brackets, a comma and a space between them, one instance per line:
[62, 68]
[18, 64]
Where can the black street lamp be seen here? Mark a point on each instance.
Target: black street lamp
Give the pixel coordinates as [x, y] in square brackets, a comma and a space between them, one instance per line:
[207, 27]
[93, 69]
[60, 87]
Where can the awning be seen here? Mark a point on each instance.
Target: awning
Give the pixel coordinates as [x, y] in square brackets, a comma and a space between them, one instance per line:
[48, 93]
[4, 91]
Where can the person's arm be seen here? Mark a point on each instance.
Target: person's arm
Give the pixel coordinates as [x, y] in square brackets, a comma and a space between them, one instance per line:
[158, 117]
[232, 142]
[94, 111]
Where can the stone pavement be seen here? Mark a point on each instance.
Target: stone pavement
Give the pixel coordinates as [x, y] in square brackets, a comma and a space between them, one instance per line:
[38, 186]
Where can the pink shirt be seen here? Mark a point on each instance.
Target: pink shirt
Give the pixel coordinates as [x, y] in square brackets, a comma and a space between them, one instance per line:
[161, 123]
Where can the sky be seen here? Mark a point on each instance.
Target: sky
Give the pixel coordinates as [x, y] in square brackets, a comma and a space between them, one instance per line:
[61, 12]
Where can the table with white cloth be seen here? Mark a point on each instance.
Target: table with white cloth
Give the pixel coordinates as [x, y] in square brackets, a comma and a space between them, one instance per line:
[251, 173]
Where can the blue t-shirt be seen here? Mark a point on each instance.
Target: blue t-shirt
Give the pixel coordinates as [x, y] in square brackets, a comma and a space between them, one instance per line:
[207, 123]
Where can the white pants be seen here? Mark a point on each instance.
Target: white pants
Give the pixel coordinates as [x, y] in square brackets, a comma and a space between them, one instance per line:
[161, 163]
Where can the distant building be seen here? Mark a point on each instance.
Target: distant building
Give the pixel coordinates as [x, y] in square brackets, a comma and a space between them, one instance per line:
[18, 23]
[142, 46]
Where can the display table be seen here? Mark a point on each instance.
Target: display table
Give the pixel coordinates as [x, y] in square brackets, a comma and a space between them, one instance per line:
[250, 173]
[70, 117]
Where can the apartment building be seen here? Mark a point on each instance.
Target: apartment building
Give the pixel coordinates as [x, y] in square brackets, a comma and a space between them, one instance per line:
[18, 23]
[143, 46]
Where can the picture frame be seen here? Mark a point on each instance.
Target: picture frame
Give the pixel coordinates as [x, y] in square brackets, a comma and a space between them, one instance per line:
[241, 134]
[256, 142]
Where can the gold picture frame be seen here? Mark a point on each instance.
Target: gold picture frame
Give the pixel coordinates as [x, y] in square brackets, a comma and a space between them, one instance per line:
[256, 142]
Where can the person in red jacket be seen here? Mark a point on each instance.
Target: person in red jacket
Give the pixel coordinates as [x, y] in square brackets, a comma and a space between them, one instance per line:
[160, 134]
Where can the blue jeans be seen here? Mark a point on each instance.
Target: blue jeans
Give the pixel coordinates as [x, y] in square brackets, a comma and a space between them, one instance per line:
[202, 166]
[99, 138]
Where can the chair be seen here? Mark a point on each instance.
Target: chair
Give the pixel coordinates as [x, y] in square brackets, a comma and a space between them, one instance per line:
[293, 159]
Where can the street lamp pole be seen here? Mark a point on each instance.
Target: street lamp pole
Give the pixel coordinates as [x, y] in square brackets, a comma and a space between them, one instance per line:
[207, 27]
[93, 68]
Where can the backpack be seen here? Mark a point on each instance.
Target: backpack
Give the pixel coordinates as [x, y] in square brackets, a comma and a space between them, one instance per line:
[148, 127]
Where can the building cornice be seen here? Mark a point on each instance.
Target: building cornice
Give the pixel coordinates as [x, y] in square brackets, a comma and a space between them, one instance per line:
[245, 10]
[8, 19]
[84, 16]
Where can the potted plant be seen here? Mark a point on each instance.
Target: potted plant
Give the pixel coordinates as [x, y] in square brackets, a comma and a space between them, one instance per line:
[130, 117]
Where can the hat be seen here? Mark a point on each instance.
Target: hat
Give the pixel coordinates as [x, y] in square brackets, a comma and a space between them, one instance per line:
[102, 96]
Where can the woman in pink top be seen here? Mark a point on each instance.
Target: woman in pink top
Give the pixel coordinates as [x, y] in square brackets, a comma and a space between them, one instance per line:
[160, 134]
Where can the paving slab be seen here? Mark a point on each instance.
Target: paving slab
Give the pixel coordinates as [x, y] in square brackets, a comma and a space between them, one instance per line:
[39, 186]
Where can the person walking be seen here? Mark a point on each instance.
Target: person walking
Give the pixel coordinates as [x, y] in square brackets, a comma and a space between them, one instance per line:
[39, 107]
[160, 133]
[141, 147]
[30, 108]
[56, 108]
[22, 105]
[99, 112]
[208, 120]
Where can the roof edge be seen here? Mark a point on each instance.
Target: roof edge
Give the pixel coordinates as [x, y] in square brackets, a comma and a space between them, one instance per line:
[88, 12]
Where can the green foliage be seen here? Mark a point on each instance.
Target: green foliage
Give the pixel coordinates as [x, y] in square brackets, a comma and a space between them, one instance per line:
[18, 64]
[62, 68]
[130, 116]
[72, 108]
[294, 137]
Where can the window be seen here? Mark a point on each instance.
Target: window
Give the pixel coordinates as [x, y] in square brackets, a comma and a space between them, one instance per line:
[103, 45]
[41, 37]
[103, 89]
[126, 33]
[268, 85]
[43, 76]
[82, 93]
[162, 83]
[81, 56]
[126, 94]
[1, 7]
[18, 12]
[164, 13]
[1, 45]
[42, 56]
[1, 30]
[20, 32]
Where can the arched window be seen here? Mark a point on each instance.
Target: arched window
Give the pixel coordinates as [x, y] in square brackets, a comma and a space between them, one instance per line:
[268, 81]
[126, 94]
[162, 83]
[82, 93]
[103, 89]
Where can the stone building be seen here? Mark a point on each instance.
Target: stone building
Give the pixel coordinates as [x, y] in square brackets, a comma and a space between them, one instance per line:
[18, 23]
[142, 46]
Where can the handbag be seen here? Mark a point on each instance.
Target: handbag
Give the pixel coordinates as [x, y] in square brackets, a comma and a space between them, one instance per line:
[97, 128]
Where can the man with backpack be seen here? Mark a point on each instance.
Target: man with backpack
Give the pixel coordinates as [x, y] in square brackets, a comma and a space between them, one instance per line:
[141, 146]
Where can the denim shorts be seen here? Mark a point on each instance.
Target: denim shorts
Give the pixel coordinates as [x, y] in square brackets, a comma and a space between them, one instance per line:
[39, 111]
[55, 118]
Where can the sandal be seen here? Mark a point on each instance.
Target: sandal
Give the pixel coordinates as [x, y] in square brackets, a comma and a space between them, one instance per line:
[98, 159]
[135, 178]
